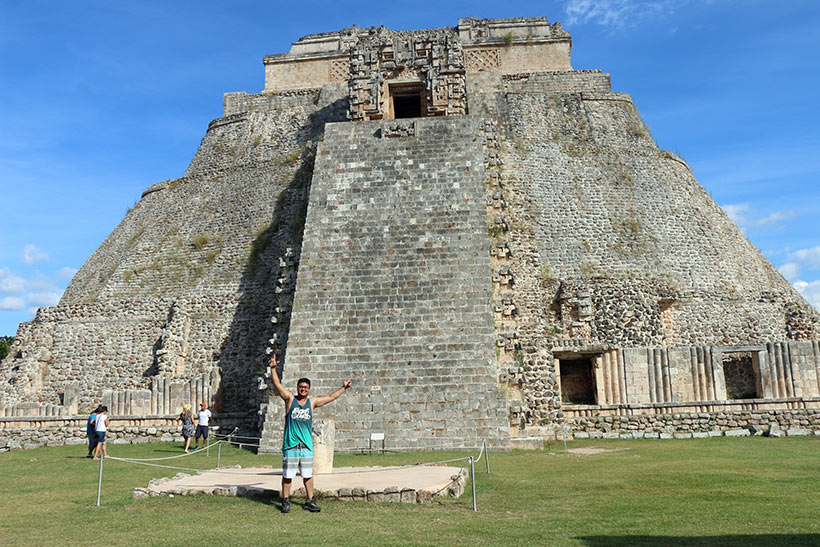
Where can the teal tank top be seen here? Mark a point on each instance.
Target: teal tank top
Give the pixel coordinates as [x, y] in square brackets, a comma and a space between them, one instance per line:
[298, 426]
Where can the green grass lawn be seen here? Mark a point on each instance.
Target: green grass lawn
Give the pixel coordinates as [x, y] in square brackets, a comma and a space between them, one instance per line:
[721, 491]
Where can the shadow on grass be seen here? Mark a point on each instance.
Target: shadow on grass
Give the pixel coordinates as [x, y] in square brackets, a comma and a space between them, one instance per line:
[727, 540]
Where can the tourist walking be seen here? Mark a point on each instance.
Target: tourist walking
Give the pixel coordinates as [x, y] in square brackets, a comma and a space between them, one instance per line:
[186, 417]
[203, 418]
[101, 422]
[90, 433]
[297, 442]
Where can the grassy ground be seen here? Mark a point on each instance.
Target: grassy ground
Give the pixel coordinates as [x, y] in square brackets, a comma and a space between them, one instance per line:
[722, 491]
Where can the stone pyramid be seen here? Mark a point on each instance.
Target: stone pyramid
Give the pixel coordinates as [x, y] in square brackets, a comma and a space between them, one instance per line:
[488, 241]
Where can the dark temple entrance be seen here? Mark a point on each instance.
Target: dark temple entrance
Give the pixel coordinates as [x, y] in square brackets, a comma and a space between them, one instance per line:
[577, 381]
[406, 101]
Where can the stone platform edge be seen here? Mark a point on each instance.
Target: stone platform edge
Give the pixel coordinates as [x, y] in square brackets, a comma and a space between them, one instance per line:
[392, 494]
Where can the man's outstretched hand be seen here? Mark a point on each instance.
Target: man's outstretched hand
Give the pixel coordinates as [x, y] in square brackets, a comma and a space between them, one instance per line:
[348, 383]
[273, 363]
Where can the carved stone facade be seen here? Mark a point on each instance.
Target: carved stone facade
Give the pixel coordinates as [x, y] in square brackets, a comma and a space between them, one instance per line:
[386, 63]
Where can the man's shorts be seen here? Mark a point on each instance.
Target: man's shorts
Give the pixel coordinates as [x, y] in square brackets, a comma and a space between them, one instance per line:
[201, 431]
[100, 436]
[297, 458]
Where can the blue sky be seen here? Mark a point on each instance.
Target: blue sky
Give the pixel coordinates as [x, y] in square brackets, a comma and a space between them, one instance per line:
[100, 99]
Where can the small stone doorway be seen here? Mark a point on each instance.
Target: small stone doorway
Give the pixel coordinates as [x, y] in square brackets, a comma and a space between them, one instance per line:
[406, 101]
[741, 371]
[577, 380]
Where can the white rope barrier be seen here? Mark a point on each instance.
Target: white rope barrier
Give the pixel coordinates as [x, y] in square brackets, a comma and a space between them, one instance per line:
[147, 461]
[239, 443]
[192, 453]
[232, 436]
[229, 436]
[481, 453]
[460, 474]
[238, 471]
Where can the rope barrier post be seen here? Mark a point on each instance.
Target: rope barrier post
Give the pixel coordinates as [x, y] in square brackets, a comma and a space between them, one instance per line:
[207, 448]
[487, 455]
[218, 454]
[472, 477]
[564, 435]
[99, 481]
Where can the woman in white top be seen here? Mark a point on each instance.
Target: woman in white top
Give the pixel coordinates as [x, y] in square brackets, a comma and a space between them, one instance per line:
[100, 426]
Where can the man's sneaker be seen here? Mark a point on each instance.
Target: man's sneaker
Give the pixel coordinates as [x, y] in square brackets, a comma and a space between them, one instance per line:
[311, 506]
[196, 448]
[285, 506]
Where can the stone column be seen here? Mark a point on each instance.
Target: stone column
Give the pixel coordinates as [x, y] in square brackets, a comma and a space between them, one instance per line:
[324, 439]
[71, 398]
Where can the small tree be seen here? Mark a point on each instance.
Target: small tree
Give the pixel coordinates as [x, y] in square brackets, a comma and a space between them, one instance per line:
[5, 346]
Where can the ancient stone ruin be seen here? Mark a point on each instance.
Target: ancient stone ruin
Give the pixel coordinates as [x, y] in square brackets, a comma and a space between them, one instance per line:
[489, 241]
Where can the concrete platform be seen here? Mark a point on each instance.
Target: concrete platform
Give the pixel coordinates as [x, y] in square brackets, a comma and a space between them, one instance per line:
[373, 484]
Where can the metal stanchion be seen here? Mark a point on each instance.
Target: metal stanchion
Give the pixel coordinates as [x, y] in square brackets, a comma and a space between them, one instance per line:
[564, 435]
[472, 477]
[207, 448]
[487, 455]
[99, 481]
[218, 454]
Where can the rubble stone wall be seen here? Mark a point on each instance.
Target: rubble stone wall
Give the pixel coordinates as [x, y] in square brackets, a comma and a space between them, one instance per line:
[394, 287]
[599, 247]
[682, 425]
[600, 241]
[196, 279]
[17, 433]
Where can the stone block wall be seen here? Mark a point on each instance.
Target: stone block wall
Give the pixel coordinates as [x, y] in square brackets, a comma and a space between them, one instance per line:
[394, 288]
[198, 277]
[710, 421]
[600, 250]
[606, 246]
[70, 430]
[573, 81]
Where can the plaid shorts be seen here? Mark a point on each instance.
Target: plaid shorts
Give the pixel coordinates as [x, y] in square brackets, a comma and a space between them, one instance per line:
[297, 458]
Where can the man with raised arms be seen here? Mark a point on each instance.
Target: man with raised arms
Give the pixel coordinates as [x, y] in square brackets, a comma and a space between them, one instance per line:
[297, 441]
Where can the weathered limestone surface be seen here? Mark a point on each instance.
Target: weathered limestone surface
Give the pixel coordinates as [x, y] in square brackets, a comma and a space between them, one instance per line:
[180, 302]
[420, 486]
[394, 287]
[454, 263]
[20, 432]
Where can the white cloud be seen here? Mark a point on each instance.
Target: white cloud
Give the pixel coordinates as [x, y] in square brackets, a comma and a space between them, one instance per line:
[67, 272]
[617, 14]
[43, 299]
[12, 303]
[808, 257]
[738, 212]
[10, 283]
[32, 293]
[810, 291]
[774, 217]
[790, 270]
[744, 216]
[41, 283]
[33, 255]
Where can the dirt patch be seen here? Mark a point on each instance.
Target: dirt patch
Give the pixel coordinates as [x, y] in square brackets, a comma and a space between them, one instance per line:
[590, 450]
